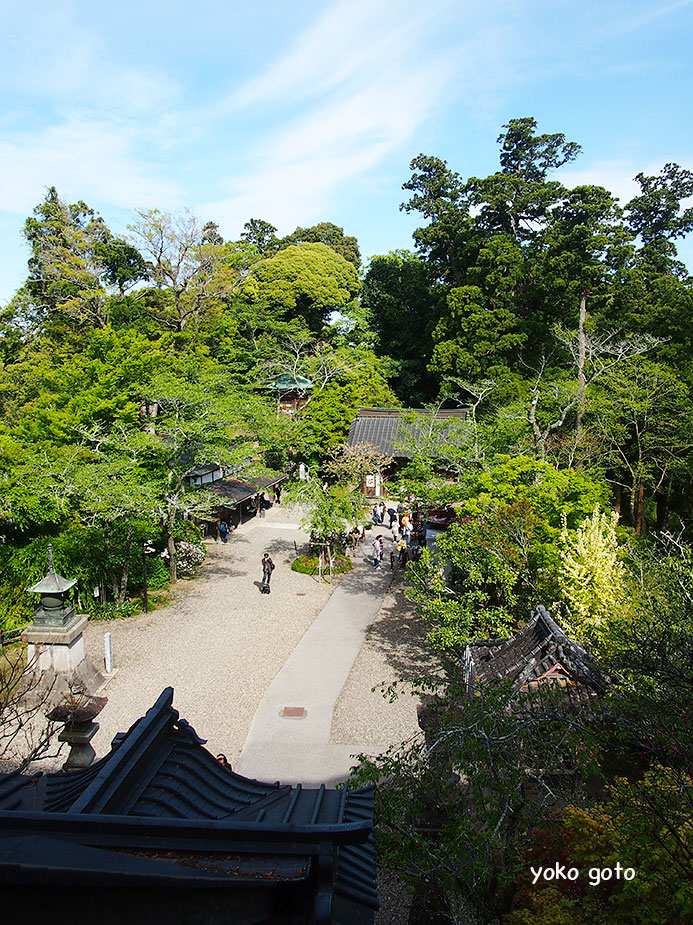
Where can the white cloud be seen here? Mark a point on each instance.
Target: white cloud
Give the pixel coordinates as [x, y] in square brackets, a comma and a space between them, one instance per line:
[352, 41]
[615, 176]
[95, 161]
[645, 19]
[366, 90]
[53, 57]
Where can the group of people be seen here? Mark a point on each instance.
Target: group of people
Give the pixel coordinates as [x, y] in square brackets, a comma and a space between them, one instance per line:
[408, 532]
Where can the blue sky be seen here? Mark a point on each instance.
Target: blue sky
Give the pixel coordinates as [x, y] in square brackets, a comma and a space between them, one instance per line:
[298, 112]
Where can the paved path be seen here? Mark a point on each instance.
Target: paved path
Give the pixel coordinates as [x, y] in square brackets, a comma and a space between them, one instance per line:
[236, 658]
[219, 642]
[297, 748]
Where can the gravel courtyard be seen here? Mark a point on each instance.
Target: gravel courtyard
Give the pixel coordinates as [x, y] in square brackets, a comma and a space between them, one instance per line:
[220, 642]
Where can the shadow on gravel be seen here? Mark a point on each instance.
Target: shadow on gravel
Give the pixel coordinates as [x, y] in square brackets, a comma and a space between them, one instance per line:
[366, 578]
[221, 569]
[283, 547]
[400, 635]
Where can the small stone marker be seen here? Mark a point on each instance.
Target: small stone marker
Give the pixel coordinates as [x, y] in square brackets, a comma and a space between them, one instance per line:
[293, 712]
[108, 653]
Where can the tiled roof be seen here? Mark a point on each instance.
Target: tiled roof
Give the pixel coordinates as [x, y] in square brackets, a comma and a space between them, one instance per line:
[288, 382]
[160, 796]
[385, 429]
[539, 651]
[232, 489]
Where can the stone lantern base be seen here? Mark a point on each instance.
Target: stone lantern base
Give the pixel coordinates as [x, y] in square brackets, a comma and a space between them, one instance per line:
[56, 648]
[59, 654]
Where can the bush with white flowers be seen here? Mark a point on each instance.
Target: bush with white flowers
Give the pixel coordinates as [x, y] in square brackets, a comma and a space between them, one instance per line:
[190, 555]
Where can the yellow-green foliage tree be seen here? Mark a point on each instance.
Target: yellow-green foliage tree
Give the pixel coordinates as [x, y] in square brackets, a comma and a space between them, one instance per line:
[591, 574]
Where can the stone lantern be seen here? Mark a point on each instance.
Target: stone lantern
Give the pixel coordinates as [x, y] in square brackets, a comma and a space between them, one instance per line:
[77, 712]
[55, 640]
[55, 608]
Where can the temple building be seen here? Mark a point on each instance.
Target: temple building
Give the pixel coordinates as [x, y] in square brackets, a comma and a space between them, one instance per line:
[158, 831]
[395, 431]
[540, 654]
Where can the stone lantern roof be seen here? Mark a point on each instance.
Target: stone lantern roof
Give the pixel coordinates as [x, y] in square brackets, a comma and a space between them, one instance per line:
[55, 609]
[52, 583]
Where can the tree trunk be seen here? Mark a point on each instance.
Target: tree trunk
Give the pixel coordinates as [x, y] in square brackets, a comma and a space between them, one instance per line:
[582, 356]
[122, 591]
[172, 553]
[663, 510]
[639, 514]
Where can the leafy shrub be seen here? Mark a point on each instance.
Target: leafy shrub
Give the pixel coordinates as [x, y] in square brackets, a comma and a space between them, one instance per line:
[158, 575]
[190, 556]
[110, 610]
[187, 531]
[309, 565]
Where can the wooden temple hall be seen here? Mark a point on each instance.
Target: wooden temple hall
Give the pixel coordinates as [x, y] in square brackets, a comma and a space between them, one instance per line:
[158, 831]
[238, 499]
[394, 432]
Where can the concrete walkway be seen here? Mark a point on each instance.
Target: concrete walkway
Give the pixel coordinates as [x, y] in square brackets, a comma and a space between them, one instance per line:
[293, 745]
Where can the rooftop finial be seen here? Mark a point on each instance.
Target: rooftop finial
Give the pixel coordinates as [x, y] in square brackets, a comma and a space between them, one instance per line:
[51, 567]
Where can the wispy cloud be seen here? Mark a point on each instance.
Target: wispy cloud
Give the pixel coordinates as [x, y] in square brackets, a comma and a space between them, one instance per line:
[652, 14]
[84, 159]
[348, 43]
[615, 176]
[361, 84]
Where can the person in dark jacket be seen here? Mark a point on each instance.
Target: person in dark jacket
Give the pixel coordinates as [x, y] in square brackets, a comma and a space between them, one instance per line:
[267, 569]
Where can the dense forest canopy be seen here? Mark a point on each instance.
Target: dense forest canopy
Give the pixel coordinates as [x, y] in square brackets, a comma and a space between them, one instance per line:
[564, 318]
[559, 317]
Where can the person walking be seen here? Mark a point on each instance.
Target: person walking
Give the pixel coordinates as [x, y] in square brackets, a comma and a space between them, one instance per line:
[376, 514]
[223, 531]
[377, 551]
[392, 514]
[267, 569]
[408, 531]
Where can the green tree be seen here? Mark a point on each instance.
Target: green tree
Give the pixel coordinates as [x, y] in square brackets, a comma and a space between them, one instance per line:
[331, 235]
[346, 379]
[517, 200]
[642, 415]
[196, 415]
[261, 235]
[68, 274]
[328, 513]
[659, 217]
[401, 304]
[503, 554]
[60, 394]
[456, 808]
[308, 281]
[441, 197]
